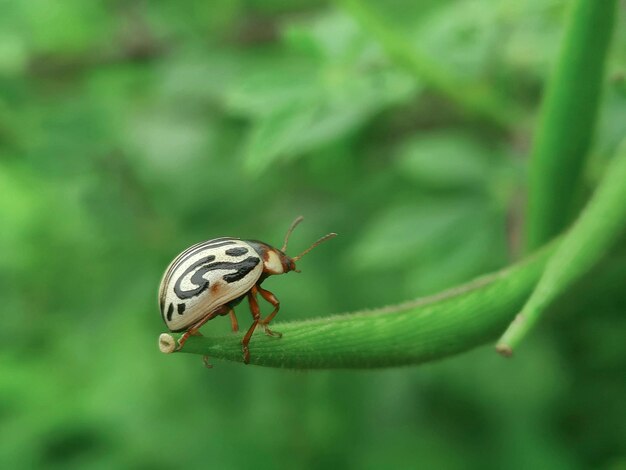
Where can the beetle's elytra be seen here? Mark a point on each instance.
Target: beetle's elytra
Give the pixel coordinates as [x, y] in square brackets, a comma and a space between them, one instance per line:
[210, 278]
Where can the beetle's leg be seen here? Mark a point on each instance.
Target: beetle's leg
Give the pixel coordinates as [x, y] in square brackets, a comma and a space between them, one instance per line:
[233, 320]
[256, 314]
[193, 329]
[271, 298]
[229, 310]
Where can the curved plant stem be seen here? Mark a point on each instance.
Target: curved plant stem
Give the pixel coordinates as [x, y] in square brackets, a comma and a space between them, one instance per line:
[597, 229]
[422, 330]
[568, 118]
[477, 99]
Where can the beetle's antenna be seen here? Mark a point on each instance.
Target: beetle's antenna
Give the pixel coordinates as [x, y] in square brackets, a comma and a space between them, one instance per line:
[321, 240]
[294, 224]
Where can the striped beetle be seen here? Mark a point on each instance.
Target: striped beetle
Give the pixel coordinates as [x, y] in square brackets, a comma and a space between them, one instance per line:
[210, 278]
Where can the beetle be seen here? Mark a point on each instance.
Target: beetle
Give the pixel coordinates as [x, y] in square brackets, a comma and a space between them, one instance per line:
[211, 278]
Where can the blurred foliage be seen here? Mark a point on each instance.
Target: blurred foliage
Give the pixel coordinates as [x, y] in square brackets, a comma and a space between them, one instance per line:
[131, 129]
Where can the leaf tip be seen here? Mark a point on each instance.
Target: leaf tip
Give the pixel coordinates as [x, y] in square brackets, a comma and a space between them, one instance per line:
[504, 349]
[167, 343]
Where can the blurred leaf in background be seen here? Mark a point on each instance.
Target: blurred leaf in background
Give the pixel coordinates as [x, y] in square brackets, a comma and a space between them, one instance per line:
[130, 130]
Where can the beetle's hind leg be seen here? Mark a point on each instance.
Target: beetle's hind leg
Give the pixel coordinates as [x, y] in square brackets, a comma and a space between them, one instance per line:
[271, 298]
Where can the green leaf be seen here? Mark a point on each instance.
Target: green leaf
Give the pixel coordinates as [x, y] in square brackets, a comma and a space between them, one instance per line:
[67, 27]
[344, 104]
[414, 231]
[474, 97]
[277, 135]
[336, 84]
[334, 38]
[445, 160]
[568, 116]
[464, 33]
[271, 87]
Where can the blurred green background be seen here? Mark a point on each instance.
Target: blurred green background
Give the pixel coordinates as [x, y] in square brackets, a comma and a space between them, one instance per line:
[132, 129]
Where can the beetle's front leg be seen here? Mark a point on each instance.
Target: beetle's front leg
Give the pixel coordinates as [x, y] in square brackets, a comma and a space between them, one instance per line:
[271, 298]
[193, 329]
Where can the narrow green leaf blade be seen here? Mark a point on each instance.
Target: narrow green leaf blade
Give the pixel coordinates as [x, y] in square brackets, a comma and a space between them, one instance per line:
[591, 238]
[568, 118]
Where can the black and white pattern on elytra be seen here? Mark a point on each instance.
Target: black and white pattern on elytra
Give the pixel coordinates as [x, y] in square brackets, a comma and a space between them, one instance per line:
[180, 308]
[205, 276]
[194, 250]
[239, 251]
[204, 265]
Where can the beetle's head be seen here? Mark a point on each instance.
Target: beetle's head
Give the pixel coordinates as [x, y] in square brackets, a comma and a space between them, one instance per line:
[277, 262]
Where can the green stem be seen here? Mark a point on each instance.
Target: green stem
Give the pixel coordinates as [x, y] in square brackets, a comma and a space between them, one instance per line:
[476, 99]
[423, 330]
[593, 235]
[568, 118]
